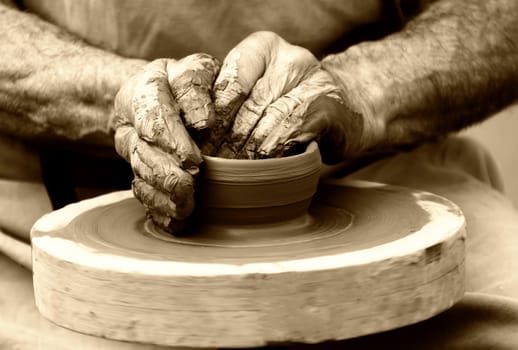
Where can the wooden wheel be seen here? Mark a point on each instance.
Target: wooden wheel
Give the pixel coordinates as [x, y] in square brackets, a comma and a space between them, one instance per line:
[365, 258]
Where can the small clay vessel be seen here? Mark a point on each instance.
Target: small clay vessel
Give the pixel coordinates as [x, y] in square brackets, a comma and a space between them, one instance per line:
[244, 191]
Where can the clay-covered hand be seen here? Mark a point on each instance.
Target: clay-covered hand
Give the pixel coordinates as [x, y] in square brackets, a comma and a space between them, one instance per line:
[272, 97]
[157, 114]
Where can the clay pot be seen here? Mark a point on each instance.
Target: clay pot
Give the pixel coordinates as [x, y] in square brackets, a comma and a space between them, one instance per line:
[240, 191]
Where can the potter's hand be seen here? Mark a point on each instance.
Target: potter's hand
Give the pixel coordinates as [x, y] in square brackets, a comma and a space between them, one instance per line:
[154, 112]
[272, 97]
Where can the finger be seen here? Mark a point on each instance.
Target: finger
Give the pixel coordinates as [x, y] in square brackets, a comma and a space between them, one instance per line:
[125, 139]
[273, 115]
[271, 135]
[241, 68]
[156, 117]
[123, 103]
[341, 129]
[229, 94]
[167, 223]
[248, 115]
[286, 69]
[294, 102]
[191, 80]
[276, 143]
[160, 202]
[161, 171]
[324, 121]
[154, 166]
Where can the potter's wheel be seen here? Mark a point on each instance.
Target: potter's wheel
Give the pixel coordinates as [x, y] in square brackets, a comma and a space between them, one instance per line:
[365, 258]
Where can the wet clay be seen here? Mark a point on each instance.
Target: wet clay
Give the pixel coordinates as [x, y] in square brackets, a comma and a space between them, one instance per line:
[262, 191]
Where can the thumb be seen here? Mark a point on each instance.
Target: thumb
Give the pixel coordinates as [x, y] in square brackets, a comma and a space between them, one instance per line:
[335, 127]
[241, 69]
[323, 124]
[340, 129]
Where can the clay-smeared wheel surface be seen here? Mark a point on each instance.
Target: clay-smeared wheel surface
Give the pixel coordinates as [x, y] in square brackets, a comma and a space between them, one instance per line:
[365, 258]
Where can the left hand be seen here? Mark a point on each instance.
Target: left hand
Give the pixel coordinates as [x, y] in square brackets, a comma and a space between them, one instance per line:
[157, 113]
[271, 98]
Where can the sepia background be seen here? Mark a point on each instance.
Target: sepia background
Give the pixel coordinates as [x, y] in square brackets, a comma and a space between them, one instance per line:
[500, 135]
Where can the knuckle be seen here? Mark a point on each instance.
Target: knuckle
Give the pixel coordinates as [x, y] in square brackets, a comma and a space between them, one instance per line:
[179, 185]
[140, 190]
[159, 219]
[169, 182]
[158, 63]
[140, 169]
[152, 198]
[265, 35]
[209, 62]
[302, 56]
[195, 65]
[198, 56]
[124, 140]
[254, 106]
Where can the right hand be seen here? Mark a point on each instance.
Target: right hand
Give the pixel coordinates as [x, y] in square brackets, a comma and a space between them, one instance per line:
[156, 112]
[273, 98]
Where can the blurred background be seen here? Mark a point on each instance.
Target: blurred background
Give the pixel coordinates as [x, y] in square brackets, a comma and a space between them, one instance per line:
[500, 136]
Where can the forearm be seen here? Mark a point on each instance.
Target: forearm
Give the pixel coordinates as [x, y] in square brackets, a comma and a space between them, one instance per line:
[52, 85]
[451, 66]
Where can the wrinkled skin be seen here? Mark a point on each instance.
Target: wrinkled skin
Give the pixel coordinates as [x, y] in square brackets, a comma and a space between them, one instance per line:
[265, 97]
[154, 113]
[269, 99]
